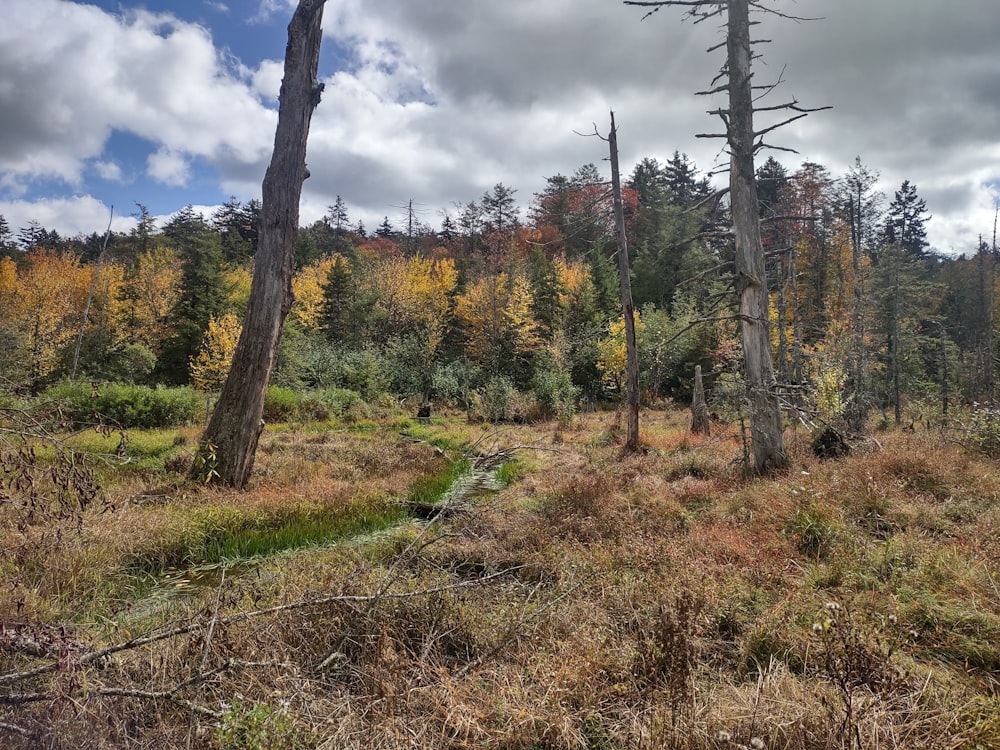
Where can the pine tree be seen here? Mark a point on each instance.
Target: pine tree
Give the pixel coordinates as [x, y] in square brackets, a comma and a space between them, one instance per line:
[905, 222]
[339, 301]
[7, 246]
[202, 290]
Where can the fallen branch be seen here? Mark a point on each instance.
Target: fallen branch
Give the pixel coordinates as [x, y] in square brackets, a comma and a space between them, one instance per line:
[134, 643]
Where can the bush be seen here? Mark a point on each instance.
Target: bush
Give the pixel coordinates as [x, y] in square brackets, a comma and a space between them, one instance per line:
[495, 401]
[127, 406]
[344, 404]
[455, 382]
[281, 404]
[984, 434]
[556, 395]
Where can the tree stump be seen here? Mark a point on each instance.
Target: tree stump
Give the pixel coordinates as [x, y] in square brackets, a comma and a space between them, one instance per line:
[700, 424]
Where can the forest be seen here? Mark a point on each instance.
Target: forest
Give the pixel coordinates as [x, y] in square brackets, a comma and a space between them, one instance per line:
[514, 316]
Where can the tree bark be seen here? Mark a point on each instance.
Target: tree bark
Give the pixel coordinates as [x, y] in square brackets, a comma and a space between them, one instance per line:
[765, 414]
[229, 444]
[628, 309]
[700, 424]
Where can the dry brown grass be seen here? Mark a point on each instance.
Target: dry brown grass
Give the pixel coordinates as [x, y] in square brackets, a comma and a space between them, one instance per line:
[602, 601]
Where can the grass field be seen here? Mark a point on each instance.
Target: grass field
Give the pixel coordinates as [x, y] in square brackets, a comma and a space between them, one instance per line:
[597, 600]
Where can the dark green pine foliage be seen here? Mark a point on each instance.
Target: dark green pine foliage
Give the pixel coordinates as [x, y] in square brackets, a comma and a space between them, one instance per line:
[338, 222]
[340, 304]
[547, 291]
[665, 231]
[236, 226]
[906, 222]
[202, 294]
[385, 230]
[684, 187]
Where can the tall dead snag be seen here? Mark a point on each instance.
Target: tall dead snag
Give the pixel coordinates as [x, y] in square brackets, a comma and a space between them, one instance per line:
[700, 424]
[227, 449]
[766, 436]
[628, 309]
[743, 143]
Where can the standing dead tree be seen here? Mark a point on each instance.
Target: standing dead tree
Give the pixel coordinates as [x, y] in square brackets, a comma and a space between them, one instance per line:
[228, 447]
[743, 142]
[628, 308]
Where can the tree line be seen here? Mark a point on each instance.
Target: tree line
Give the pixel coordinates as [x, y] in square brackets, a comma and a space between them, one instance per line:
[495, 303]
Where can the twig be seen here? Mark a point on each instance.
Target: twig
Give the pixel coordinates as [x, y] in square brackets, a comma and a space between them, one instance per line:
[204, 653]
[13, 728]
[97, 656]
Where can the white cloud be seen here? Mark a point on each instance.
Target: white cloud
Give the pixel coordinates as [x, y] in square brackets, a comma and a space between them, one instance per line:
[169, 168]
[79, 215]
[437, 101]
[109, 170]
[89, 73]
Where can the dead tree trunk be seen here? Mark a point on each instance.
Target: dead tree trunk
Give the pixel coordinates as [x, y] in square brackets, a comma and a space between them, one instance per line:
[751, 282]
[700, 424]
[628, 310]
[228, 447]
[90, 296]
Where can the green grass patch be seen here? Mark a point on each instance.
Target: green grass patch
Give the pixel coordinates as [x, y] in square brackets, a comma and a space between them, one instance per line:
[430, 488]
[216, 535]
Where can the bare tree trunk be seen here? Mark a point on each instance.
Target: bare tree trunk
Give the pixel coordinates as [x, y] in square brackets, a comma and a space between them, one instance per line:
[859, 407]
[751, 284]
[991, 381]
[700, 424]
[90, 297]
[628, 310]
[229, 444]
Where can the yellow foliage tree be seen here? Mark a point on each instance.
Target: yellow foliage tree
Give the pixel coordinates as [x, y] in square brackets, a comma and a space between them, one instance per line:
[210, 365]
[307, 286]
[237, 281]
[46, 306]
[150, 293]
[412, 296]
[495, 313]
[612, 356]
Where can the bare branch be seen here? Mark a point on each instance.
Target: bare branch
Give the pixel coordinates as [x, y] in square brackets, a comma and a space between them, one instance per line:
[133, 643]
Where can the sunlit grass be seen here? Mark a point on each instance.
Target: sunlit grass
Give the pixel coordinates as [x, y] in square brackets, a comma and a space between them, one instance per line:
[613, 567]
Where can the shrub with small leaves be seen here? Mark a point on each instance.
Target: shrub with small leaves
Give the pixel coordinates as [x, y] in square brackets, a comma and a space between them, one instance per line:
[256, 727]
[984, 433]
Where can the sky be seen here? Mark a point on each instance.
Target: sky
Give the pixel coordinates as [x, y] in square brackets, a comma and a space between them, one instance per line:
[167, 104]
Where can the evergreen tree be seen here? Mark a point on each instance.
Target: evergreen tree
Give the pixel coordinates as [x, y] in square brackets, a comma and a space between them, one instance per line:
[905, 222]
[339, 303]
[772, 179]
[338, 223]
[202, 294]
[31, 235]
[236, 225]
[385, 230]
[683, 185]
[7, 244]
[546, 294]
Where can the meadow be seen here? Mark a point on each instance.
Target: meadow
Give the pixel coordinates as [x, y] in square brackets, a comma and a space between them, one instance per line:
[567, 595]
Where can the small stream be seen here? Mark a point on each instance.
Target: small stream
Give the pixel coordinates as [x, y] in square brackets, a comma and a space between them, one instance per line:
[176, 585]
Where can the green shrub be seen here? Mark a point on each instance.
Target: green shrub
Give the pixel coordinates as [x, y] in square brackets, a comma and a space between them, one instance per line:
[455, 382]
[495, 401]
[281, 404]
[984, 434]
[556, 395]
[256, 727]
[344, 404]
[128, 406]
